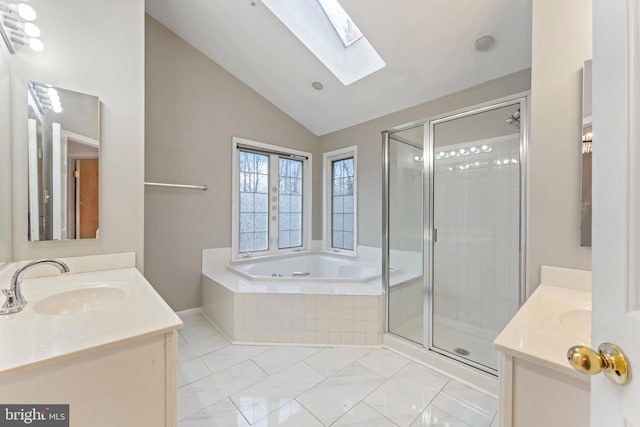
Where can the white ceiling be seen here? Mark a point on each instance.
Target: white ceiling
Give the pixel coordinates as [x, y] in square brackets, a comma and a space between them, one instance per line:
[427, 45]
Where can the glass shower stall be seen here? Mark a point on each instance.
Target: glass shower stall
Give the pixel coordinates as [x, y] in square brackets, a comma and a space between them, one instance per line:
[454, 229]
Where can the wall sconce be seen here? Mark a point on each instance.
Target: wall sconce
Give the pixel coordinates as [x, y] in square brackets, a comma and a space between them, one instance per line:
[16, 26]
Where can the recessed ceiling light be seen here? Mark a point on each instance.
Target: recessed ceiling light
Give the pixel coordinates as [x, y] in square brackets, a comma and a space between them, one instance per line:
[317, 85]
[484, 43]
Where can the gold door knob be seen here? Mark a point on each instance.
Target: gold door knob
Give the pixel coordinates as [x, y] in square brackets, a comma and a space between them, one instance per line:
[608, 359]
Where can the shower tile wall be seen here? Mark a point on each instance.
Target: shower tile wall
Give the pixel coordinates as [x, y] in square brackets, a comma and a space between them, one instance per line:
[476, 212]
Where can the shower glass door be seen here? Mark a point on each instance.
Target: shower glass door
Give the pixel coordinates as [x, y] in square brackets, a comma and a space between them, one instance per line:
[406, 230]
[475, 257]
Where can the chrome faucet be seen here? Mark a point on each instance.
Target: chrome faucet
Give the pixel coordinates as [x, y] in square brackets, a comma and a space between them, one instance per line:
[15, 301]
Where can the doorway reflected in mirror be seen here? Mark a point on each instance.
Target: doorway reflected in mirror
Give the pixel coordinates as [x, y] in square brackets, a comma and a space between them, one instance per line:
[64, 162]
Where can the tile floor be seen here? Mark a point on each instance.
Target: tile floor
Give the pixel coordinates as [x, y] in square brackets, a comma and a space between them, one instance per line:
[220, 384]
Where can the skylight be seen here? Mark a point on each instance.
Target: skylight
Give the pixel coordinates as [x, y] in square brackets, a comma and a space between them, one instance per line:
[345, 27]
[336, 42]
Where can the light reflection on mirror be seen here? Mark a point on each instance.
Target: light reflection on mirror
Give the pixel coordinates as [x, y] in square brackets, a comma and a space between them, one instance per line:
[64, 156]
[587, 148]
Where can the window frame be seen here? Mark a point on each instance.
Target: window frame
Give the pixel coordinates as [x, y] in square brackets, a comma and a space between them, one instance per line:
[275, 152]
[327, 197]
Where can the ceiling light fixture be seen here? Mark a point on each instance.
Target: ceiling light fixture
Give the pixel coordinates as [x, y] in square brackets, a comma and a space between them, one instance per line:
[47, 98]
[484, 43]
[16, 27]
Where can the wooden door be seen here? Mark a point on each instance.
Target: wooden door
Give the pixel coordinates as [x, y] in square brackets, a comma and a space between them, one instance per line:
[88, 196]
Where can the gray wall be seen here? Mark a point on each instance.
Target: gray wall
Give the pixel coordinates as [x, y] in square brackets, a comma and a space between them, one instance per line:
[561, 42]
[83, 53]
[367, 137]
[193, 109]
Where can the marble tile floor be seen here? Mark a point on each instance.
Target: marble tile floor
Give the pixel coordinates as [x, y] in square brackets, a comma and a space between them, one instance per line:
[220, 384]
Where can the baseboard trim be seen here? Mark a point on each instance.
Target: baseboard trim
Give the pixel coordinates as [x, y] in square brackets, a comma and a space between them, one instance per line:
[189, 312]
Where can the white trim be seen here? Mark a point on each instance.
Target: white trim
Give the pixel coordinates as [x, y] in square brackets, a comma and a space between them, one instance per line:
[307, 198]
[80, 139]
[327, 158]
[56, 181]
[189, 312]
[34, 206]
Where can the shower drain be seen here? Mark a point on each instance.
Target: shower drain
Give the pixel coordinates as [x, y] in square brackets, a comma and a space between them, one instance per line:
[461, 351]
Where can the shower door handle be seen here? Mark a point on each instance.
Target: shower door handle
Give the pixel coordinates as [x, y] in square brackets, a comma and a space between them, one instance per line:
[435, 235]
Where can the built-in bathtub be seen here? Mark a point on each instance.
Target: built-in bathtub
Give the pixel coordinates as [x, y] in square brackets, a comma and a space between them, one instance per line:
[306, 267]
[274, 300]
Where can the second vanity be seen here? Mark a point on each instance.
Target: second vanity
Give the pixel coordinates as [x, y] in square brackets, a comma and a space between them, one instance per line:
[538, 386]
[99, 339]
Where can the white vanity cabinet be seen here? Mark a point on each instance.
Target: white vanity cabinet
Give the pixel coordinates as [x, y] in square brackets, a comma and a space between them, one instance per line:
[111, 357]
[132, 384]
[538, 386]
[533, 395]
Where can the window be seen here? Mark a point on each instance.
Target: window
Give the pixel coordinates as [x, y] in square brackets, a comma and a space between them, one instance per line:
[340, 195]
[272, 196]
[347, 30]
[331, 35]
[254, 202]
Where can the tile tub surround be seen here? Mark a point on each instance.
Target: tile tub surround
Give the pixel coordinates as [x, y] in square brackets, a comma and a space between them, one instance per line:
[293, 318]
[305, 312]
[241, 385]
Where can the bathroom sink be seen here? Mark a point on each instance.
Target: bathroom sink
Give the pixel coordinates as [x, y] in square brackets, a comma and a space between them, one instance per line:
[86, 298]
[577, 322]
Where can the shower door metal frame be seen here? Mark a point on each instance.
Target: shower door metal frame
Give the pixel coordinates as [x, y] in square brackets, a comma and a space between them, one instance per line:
[522, 100]
[428, 216]
[386, 252]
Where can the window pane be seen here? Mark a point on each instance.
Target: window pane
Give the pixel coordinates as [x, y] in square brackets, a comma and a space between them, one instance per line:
[246, 242]
[283, 221]
[348, 204]
[296, 204]
[348, 222]
[338, 239]
[283, 239]
[261, 203]
[290, 203]
[338, 204]
[246, 222]
[348, 240]
[285, 203]
[342, 204]
[337, 222]
[254, 201]
[295, 238]
[260, 241]
[260, 222]
[246, 202]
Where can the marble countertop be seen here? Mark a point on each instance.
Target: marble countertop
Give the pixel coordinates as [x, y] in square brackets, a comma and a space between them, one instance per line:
[30, 338]
[537, 334]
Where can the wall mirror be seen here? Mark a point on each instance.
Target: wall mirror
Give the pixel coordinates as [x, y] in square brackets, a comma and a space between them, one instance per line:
[64, 162]
[586, 148]
[5, 158]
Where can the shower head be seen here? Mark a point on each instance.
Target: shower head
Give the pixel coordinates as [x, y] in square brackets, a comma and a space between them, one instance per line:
[514, 120]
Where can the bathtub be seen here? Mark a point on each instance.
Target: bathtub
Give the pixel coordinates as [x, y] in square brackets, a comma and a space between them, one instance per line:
[308, 267]
[302, 298]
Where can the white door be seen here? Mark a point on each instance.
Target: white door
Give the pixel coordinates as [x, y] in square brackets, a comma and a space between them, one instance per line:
[616, 204]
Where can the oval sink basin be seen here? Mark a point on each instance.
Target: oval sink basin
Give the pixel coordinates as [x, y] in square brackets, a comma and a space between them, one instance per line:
[578, 323]
[80, 300]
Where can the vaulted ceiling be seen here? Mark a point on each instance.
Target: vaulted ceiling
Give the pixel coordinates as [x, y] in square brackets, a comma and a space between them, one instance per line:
[428, 47]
